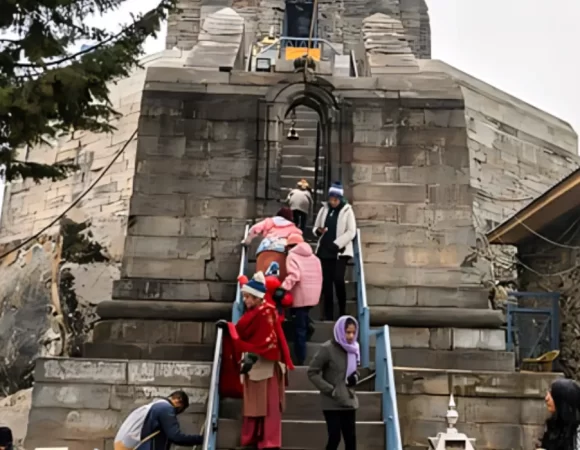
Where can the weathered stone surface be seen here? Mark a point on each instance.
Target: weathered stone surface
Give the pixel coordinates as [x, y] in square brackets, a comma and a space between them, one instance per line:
[127, 309]
[172, 269]
[144, 289]
[168, 373]
[80, 371]
[386, 45]
[473, 383]
[220, 41]
[74, 396]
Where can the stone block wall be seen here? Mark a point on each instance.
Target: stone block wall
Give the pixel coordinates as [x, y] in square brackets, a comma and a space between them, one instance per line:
[516, 151]
[410, 189]
[81, 403]
[502, 411]
[194, 187]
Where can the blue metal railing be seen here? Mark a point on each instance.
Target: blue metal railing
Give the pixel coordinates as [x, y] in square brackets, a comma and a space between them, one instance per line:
[213, 400]
[385, 383]
[362, 305]
[533, 305]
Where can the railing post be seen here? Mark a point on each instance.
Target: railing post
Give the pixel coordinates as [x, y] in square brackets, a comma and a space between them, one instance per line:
[555, 335]
[509, 320]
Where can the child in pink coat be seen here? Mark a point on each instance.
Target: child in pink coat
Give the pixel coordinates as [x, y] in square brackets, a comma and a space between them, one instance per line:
[304, 281]
[275, 231]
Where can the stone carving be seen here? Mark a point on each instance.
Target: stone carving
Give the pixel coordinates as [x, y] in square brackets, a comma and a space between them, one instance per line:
[220, 42]
[387, 45]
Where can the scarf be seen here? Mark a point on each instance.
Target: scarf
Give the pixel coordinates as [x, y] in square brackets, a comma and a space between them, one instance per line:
[352, 350]
[258, 331]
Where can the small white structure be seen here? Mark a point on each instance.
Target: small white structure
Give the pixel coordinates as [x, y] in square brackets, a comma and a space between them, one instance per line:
[452, 438]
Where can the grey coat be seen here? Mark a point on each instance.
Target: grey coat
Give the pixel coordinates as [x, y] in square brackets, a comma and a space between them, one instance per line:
[327, 372]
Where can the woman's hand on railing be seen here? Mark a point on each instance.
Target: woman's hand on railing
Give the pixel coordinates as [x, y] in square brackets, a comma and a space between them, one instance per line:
[223, 325]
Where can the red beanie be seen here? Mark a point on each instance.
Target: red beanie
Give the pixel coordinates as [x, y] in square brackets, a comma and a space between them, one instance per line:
[286, 213]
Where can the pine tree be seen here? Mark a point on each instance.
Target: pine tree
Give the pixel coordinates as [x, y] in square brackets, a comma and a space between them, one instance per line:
[48, 87]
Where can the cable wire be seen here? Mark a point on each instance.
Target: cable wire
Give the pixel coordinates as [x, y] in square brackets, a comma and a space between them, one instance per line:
[74, 203]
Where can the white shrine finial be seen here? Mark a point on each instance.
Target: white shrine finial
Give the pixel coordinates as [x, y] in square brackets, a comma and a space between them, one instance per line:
[452, 436]
[452, 415]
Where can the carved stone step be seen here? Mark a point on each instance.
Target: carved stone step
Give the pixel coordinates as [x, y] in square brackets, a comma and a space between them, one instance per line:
[162, 352]
[305, 405]
[413, 316]
[305, 434]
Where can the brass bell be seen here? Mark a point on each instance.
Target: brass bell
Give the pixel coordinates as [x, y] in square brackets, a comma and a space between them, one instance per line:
[292, 134]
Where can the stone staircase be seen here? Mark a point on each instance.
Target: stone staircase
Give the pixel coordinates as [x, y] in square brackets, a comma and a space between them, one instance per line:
[299, 157]
[303, 425]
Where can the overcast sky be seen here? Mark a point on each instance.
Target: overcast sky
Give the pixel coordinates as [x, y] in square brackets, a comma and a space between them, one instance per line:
[524, 47]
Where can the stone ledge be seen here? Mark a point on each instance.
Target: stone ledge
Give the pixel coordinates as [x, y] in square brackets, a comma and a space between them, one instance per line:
[118, 372]
[107, 397]
[412, 316]
[472, 409]
[141, 331]
[467, 383]
[181, 311]
[163, 352]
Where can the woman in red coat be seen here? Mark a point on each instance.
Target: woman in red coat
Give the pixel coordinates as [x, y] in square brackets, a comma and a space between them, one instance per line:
[257, 340]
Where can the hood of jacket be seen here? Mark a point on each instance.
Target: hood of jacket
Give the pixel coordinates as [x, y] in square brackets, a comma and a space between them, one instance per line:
[302, 249]
[281, 222]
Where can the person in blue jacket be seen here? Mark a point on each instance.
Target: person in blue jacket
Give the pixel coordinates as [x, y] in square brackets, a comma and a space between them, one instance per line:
[155, 426]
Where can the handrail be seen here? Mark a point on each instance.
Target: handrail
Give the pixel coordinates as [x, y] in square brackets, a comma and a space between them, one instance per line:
[238, 308]
[353, 62]
[385, 383]
[362, 305]
[213, 400]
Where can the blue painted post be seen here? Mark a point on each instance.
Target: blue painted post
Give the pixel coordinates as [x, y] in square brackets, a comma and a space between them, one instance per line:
[555, 322]
[510, 339]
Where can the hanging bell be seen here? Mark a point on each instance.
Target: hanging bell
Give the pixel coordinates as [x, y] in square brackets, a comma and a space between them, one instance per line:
[292, 134]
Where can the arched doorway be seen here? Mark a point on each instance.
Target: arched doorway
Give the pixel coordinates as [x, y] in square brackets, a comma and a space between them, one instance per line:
[315, 155]
[303, 156]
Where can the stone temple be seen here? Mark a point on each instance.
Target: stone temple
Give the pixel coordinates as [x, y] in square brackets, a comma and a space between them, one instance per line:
[118, 299]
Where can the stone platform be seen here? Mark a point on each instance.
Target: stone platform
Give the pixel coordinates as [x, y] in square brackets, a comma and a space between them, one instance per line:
[502, 410]
[80, 403]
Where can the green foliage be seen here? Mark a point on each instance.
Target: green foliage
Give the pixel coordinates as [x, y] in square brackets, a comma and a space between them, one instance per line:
[47, 86]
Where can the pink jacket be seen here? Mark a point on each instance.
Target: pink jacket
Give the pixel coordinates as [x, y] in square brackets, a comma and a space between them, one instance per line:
[304, 279]
[273, 227]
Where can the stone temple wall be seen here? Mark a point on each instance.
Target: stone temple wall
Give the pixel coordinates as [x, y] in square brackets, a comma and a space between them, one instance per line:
[516, 153]
[81, 403]
[407, 172]
[340, 21]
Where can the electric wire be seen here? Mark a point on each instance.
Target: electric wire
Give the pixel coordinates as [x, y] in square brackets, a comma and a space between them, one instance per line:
[74, 203]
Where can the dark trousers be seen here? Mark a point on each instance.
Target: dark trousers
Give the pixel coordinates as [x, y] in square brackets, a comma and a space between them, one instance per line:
[301, 324]
[300, 219]
[341, 421]
[333, 271]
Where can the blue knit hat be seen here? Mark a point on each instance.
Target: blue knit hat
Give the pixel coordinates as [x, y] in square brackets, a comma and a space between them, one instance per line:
[336, 190]
[256, 286]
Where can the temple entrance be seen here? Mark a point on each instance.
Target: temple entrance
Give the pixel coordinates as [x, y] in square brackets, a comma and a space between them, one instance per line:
[303, 155]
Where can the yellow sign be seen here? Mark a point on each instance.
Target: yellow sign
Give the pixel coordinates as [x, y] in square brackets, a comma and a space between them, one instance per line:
[296, 52]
